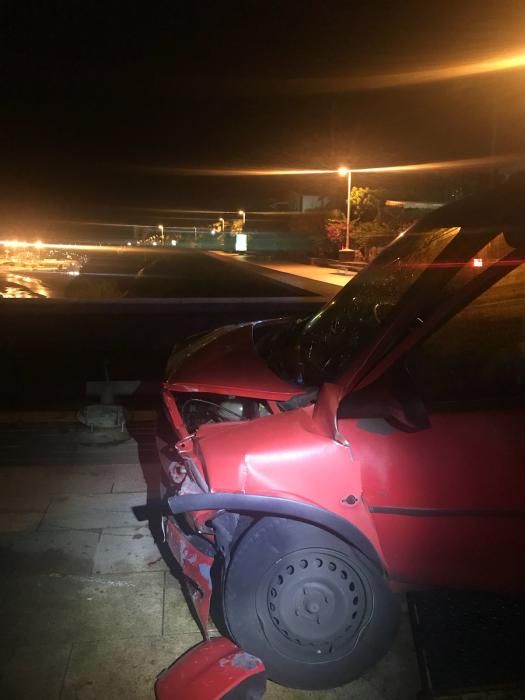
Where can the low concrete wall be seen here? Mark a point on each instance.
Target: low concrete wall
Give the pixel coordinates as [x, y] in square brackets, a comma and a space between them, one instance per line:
[50, 349]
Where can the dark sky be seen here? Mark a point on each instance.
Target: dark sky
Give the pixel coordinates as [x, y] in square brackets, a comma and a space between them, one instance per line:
[95, 95]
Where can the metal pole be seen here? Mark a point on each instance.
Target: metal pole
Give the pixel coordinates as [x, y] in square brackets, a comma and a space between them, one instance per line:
[349, 190]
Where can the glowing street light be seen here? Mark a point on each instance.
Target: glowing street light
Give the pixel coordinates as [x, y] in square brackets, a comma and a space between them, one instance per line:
[243, 214]
[161, 229]
[345, 172]
[223, 225]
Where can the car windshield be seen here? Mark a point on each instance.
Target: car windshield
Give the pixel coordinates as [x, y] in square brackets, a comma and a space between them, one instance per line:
[346, 324]
[423, 263]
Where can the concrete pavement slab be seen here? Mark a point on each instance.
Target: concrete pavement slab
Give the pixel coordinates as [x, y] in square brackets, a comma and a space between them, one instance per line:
[358, 690]
[396, 676]
[123, 453]
[124, 668]
[62, 436]
[30, 672]
[178, 619]
[19, 522]
[138, 529]
[48, 552]
[55, 480]
[32, 445]
[128, 478]
[124, 553]
[93, 512]
[60, 609]
[35, 456]
[23, 511]
[23, 502]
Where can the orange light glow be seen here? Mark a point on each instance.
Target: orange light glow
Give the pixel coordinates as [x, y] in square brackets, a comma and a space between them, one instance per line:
[239, 172]
[431, 74]
[485, 161]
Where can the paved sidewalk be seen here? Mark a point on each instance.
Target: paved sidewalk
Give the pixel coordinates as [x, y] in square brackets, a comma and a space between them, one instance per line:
[89, 609]
[325, 281]
[329, 275]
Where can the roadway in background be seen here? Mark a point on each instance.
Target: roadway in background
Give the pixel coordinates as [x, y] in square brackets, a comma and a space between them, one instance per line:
[50, 348]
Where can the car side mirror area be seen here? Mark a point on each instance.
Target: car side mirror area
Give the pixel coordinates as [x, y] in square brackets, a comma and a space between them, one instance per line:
[381, 312]
[325, 409]
[394, 401]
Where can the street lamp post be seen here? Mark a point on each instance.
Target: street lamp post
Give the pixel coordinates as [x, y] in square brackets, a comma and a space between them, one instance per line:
[243, 214]
[161, 229]
[222, 223]
[342, 171]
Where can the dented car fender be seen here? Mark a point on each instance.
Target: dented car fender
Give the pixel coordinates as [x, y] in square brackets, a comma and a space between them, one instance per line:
[275, 506]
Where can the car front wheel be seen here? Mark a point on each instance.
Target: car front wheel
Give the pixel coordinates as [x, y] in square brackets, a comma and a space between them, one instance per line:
[312, 607]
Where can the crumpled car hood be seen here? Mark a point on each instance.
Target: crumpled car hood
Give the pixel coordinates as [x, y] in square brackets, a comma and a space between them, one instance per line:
[267, 455]
[226, 361]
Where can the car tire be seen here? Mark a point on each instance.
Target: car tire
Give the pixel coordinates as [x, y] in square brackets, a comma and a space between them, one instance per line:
[312, 607]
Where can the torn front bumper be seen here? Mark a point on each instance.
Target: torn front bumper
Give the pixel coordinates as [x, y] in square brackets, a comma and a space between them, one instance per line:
[213, 670]
[196, 565]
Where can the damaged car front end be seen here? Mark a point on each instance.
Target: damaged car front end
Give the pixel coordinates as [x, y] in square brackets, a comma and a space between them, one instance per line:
[343, 454]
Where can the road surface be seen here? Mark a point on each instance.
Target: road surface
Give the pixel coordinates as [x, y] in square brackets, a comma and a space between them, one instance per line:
[138, 274]
[177, 274]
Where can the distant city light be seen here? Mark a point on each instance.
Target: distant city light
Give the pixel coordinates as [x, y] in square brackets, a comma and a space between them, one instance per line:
[52, 248]
[477, 262]
[173, 241]
[128, 243]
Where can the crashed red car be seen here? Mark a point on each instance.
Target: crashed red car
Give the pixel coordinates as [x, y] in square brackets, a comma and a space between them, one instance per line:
[327, 462]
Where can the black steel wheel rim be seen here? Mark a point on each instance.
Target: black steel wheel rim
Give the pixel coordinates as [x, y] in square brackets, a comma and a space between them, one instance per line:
[313, 604]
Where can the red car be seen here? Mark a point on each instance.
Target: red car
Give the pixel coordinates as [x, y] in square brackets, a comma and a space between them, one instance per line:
[323, 464]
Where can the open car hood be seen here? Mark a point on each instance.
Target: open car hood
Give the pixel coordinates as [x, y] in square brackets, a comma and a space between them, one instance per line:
[421, 281]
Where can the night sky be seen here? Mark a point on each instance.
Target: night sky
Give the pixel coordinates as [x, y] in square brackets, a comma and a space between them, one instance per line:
[96, 95]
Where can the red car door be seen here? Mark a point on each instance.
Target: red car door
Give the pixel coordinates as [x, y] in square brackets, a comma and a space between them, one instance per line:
[448, 502]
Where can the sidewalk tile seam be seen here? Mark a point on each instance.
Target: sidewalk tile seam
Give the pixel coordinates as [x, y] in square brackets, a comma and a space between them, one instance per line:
[95, 553]
[44, 514]
[162, 627]
[66, 670]
[58, 528]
